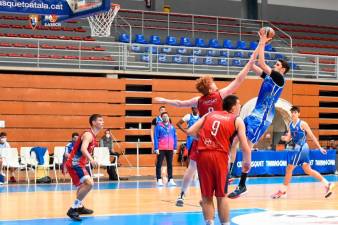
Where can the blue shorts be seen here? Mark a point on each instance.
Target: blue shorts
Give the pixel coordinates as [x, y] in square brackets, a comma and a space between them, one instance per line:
[189, 142]
[300, 155]
[255, 128]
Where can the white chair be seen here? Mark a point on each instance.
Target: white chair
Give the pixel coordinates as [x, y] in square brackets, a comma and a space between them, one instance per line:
[59, 152]
[46, 164]
[102, 157]
[10, 158]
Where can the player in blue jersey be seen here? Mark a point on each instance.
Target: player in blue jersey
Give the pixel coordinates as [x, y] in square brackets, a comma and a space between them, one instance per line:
[262, 115]
[298, 130]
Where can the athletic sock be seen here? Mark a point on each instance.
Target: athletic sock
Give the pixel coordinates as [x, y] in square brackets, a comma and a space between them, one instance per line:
[209, 222]
[182, 194]
[225, 223]
[243, 179]
[230, 170]
[325, 182]
[77, 203]
[284, 188]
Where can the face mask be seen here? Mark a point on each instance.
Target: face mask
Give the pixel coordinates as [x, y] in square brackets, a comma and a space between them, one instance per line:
[3, 140]
[107, 136]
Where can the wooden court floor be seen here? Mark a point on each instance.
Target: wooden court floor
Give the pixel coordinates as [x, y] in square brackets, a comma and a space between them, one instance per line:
[30, 202]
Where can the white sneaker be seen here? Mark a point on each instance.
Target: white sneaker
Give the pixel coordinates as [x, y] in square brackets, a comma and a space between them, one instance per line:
[159, 182]
[171, 182]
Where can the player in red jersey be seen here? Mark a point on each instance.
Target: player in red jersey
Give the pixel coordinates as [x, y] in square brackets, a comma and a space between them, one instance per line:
[76, 166]
[211, 100]
[215, 132]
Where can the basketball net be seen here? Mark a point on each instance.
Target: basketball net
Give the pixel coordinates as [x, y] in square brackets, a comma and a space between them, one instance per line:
[100, 23]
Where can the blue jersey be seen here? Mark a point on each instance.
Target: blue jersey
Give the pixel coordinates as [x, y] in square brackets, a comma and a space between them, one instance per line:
[267, 98]
[192, 119]
[261, 117]
[298, 135]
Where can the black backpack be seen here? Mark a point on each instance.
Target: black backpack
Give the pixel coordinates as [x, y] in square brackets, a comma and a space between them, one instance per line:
[111, 170]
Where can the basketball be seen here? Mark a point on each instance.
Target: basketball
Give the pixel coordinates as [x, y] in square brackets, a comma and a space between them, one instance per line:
[270, 33]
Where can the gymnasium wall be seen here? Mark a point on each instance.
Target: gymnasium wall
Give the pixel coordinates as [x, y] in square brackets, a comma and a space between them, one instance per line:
[304, 11]
[44, 110]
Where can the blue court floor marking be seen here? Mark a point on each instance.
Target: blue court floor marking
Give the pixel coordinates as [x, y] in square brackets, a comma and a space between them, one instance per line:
[172, 218]
[148, 184]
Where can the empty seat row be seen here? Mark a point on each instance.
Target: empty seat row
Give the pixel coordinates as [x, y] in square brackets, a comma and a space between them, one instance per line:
[39, 36]
[47, 46]
[179, 59]
[200, 52]
[18, 26]
[199, 42]
[56, 56]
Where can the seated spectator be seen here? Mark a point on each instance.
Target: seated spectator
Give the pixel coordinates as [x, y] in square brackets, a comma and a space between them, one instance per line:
[107, 141]
[68, 149]
[5, 144]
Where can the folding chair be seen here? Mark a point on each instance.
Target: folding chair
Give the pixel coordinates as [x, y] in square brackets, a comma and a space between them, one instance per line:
[102, 157]
[46, 164]
[59, 152]
[10, 158]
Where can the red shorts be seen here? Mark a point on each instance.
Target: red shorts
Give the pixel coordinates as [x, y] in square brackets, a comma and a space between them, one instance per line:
[192, 152]
[212, 168]
[78, 174]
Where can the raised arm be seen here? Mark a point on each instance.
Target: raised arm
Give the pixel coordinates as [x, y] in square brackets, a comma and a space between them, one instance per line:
[308, 130]
[246, 162]
[263, 39]
[234, 85]
[177, 103]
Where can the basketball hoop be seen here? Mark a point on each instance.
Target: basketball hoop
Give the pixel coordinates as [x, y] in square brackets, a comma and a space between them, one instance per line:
[100, 23]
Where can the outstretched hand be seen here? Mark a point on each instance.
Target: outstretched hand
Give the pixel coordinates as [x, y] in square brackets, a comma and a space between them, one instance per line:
[263, 38]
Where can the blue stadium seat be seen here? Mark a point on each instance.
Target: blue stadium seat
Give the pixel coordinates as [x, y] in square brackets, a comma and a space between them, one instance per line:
[136, 48]
[271, 63]
[194, 60]
[236, 62]
[199, 42]
[278, 56]
[185, 41]
[267, 56]
[145, 58]
[253, 45]
[156, 40]
[212, 53]
[209, 61]
[177, 59]
[166, 50]
[152, 49]
[124, 38]
[171, 41]
[182, 51]
[224, 54]
[241, 45]
[162, 58]
[223, 62]
[293, 66]
[197, 51]
[139, 38]
[238, 55]
[213, 43]
[249, 54]
[227, 44]
[268, 48]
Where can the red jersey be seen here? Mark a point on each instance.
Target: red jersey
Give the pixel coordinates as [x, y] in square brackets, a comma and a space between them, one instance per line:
[76, 158]
[209, 103]
[217, 132]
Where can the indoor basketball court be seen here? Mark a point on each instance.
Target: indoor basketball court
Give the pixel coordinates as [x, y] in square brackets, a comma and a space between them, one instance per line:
[116, 62]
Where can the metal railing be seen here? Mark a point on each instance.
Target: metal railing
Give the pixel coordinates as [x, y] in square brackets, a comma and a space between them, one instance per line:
[112, 57]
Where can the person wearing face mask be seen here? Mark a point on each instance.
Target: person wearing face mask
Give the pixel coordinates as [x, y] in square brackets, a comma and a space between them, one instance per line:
[165, 145]
[5, 144]
[107, 141]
